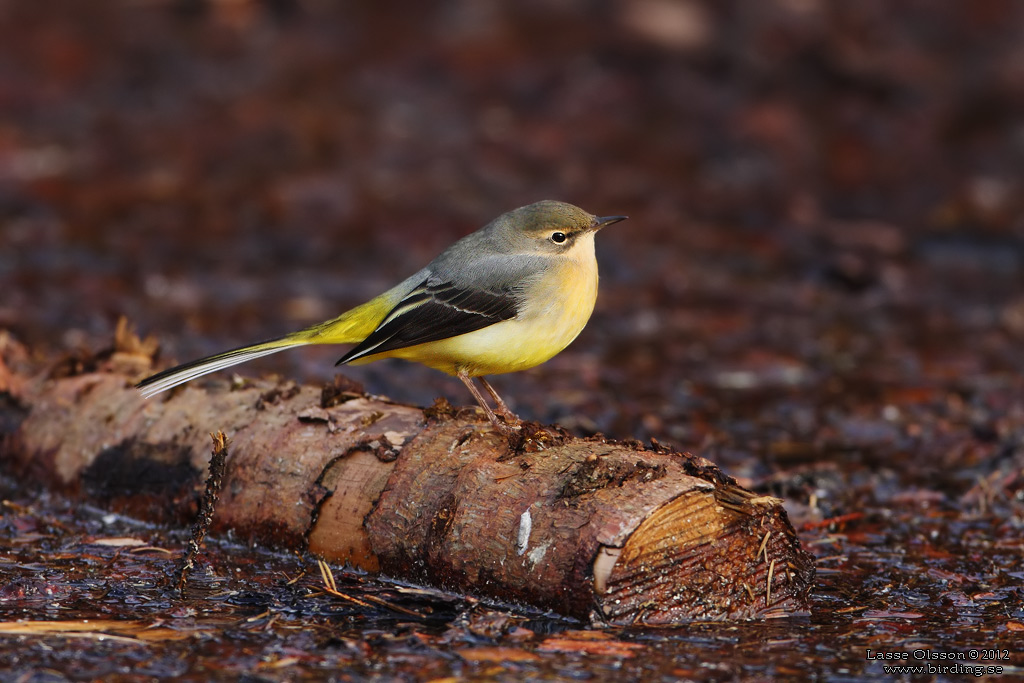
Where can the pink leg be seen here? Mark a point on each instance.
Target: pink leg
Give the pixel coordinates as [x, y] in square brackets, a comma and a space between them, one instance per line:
[503, 409]
[505, 428]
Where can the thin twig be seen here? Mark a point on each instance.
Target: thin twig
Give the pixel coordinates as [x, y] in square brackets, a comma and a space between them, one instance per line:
[331, 588]
[764, 546]
[204, 518]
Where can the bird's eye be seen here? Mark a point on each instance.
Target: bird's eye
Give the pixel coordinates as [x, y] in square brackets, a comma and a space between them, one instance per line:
[558, 237]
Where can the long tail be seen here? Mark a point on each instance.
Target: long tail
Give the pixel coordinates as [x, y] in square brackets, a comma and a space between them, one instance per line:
[172, 377]
[349, 328]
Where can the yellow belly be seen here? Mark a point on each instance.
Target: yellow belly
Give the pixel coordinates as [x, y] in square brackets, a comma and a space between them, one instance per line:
[559, 306]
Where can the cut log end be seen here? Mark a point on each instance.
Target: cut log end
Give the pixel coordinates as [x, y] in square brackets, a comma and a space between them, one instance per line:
[697, 559]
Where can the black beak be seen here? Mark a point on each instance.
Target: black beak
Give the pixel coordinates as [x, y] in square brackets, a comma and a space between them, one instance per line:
[602, 221]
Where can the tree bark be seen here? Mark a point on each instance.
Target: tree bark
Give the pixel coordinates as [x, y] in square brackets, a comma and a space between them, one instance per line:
[591, 528]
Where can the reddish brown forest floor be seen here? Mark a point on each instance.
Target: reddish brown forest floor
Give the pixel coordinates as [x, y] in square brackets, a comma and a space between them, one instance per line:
[819, 288]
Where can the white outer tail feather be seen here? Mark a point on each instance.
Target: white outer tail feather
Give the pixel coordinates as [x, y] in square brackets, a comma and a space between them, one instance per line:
[193, 370]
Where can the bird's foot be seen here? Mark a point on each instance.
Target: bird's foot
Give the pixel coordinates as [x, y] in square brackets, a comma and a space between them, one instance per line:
[509, 424]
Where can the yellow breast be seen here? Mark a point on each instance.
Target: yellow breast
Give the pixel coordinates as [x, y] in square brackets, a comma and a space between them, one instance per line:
[558, 304]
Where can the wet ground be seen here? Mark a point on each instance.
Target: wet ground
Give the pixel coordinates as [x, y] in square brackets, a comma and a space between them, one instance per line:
[819, 288]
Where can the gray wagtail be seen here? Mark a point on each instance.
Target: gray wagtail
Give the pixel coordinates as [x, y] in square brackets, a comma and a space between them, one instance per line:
[505, 298]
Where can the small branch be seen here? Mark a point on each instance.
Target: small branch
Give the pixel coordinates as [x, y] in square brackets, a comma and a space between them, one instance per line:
[204, 518]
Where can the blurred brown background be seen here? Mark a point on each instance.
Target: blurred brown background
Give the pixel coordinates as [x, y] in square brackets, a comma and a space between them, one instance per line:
[825, 197]
[819, 287]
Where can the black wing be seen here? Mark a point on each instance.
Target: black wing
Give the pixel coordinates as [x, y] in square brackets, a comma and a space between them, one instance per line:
[435, 311]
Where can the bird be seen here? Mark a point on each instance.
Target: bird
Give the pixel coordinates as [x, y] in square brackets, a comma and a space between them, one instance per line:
[505, 298]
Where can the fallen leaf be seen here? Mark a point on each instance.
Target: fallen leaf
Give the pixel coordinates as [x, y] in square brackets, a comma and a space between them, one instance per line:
[610, 648]
[497, 654]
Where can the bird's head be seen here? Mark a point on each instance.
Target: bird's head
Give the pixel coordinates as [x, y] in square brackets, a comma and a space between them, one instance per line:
[550, 227]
